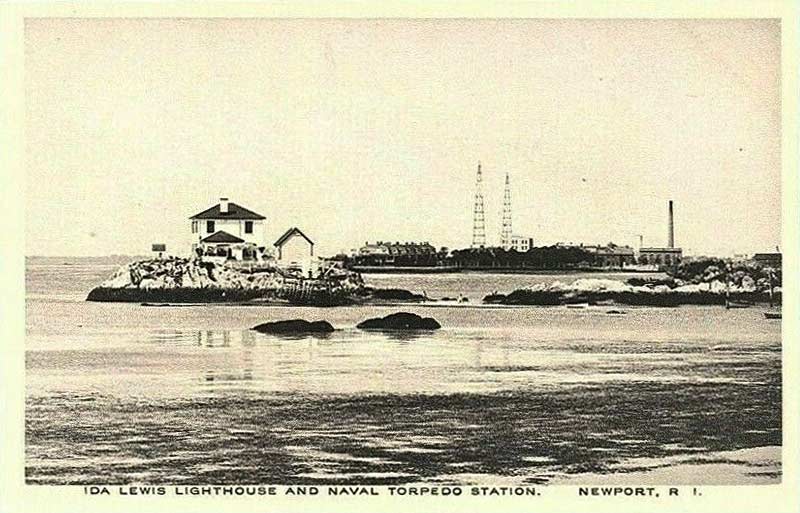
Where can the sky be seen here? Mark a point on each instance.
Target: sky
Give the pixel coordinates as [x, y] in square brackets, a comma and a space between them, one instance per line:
[364, 130]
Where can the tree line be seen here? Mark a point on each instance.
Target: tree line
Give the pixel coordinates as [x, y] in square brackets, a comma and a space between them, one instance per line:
[545, 257]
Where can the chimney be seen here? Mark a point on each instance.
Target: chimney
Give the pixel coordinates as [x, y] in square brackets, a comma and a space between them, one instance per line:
[671, 239]
[223, 205]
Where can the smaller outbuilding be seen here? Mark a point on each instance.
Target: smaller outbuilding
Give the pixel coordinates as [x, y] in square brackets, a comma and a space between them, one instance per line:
[294, 250]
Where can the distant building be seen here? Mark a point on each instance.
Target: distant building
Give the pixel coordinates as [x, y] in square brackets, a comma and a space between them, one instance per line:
[159, 250]
[394, 249]
[294, 250]
[377, 249]
[612, 255]
[663, 256]
[660, 256]
[228, 231]
[773, 260]
[521, 244]
[396, 253]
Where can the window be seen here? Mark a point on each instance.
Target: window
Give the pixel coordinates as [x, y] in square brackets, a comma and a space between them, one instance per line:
[194, 226]
[209, 226]
[248, 227]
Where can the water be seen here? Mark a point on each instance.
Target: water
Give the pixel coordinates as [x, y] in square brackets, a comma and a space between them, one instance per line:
[120, 393]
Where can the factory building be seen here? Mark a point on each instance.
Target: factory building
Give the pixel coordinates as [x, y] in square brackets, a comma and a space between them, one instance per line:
[663, 256]
[612, 255]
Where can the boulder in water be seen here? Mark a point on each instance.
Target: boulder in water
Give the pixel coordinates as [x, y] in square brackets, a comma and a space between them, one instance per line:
[294, 326]
[400, 321]
[396, 295]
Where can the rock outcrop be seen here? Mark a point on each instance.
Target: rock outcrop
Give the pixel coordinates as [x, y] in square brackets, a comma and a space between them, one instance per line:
[394, 295]
[294, 326]
[596, 291]
[400, 321]
[181, 280]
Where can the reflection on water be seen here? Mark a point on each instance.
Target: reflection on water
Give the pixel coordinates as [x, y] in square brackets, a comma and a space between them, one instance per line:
[127, 394]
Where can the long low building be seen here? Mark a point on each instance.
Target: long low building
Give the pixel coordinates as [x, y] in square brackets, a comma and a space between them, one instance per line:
[394, 249]
[769, 259]
[660, 256]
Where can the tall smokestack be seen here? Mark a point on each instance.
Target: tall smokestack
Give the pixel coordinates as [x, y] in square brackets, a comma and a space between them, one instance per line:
[671, 237]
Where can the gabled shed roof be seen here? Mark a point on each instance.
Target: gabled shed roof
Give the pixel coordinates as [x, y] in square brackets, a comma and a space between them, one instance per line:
[291, 231]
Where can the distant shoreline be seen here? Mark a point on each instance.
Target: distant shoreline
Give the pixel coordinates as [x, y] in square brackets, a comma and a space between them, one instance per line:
[367, 270]
[491, 270]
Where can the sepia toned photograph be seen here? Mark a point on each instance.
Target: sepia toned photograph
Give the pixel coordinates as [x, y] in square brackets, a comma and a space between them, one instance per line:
[491, 253]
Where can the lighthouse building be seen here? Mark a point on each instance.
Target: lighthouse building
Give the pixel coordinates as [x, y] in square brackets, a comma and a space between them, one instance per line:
[227, 231]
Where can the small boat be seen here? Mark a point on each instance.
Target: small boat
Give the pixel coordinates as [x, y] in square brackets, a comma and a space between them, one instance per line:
[737, 304]
[772, 315]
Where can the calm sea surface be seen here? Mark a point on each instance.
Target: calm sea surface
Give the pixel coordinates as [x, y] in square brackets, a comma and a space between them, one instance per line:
[121, 393]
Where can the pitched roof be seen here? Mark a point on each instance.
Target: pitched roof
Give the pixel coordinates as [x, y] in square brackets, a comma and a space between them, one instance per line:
[234, 212]
[659, 250]
[222, 236]
[291, 231]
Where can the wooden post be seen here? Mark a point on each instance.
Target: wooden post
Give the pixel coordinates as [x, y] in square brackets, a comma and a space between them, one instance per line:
[727, 286]
[771, 290]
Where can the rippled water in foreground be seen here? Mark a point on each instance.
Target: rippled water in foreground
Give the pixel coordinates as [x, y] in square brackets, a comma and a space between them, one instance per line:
[120, 393]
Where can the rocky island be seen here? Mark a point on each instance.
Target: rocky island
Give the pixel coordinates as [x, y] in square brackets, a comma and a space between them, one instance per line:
[182, 280]
[709, 282]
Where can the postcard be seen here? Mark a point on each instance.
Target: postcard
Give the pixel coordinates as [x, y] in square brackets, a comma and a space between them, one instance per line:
[453, 257]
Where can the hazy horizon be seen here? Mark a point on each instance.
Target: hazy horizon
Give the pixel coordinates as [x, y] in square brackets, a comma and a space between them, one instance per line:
[365, 130]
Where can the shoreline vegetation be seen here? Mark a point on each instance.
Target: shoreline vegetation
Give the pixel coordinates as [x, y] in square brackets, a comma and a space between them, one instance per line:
[472, 259]
[182, 281]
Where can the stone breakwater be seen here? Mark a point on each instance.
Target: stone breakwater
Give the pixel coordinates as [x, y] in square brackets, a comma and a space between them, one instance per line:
[180, 280]
[599, 290]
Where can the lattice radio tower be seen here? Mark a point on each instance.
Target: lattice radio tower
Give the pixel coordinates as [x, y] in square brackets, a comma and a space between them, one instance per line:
[505, 231]
[478, 217]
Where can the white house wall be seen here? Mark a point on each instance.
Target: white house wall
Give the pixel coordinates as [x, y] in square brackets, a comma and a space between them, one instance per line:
[295, 249]
[234, 227]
